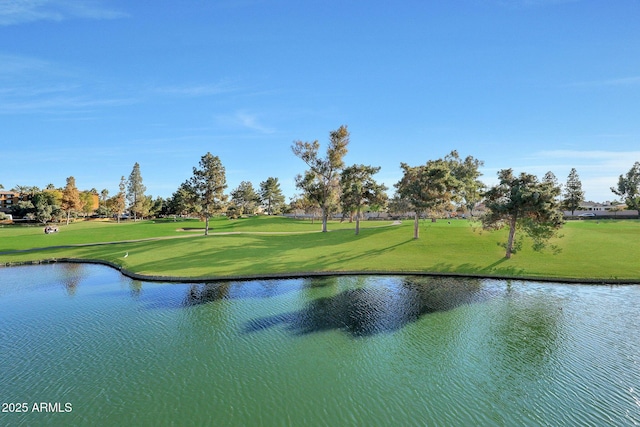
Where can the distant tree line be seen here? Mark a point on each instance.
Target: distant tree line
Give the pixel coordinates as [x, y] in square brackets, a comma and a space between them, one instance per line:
[329, 187]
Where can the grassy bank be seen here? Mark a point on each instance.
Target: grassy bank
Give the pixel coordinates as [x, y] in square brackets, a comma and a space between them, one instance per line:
[271, 245]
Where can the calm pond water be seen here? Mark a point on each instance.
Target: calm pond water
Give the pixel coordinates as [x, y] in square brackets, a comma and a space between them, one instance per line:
[98, 348]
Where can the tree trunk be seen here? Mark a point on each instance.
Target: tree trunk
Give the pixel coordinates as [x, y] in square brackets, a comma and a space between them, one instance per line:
[416, 229]
[325, 215]
[206, 225]
[68, 216]
[358, 221]
[512, 233]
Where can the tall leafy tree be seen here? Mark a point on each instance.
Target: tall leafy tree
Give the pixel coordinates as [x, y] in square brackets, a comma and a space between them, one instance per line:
[468, 192]
[47, 207]
[119, 200]
[321, 182]
[103, 205]
[429, 187]
[135, 191]
[71, 201]
[629, 187]
[245, 197]
[271, 195]
[523, 203]
[360, 189]
[181, 202]
[207, 186]
[573, 194]
[87, 198]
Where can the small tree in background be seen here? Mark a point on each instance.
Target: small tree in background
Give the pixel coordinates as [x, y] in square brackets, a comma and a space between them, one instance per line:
[629, 187]
[135, 191]
[321, 182]
[245, 198]
[46, 206]
[271, 195]
[467, 173]
[360, 189]
[523, 203]
[426, 187]
[71, 202]
[573, 194]
[206, 188]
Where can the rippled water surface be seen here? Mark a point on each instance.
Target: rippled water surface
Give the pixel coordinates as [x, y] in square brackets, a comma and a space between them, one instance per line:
[101, 349]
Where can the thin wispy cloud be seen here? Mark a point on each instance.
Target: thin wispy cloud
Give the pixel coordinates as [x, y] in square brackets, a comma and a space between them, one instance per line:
[13, 12]
[198, 90]
[245, 120]
[62, 105]
[31, 85]
[11, 65]
[624, 81]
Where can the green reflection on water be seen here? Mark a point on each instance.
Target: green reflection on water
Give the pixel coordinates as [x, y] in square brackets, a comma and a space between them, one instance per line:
[322, 351]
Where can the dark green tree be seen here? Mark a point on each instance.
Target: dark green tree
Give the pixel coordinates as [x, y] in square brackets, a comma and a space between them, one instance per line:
[181, 202]
[573, 194]
[271, 195]
[468, 191]
[245, 198]
[430, 187]
[523, 203]
[360, 189]
[46, 206]
[629, 187]
[321, 183]
[135, 192]
[206, 188]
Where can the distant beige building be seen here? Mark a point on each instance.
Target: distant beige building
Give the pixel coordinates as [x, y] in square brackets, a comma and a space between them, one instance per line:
[8, 199]
[600, 207]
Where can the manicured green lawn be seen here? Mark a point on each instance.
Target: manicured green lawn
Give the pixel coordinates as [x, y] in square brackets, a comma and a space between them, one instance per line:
[589, 249]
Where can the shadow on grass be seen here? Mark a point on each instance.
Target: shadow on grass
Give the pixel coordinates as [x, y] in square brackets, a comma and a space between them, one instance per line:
[495, 264]
[253, 254]
[371, 310]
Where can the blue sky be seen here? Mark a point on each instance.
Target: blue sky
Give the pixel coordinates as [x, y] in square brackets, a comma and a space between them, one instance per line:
[88, 88]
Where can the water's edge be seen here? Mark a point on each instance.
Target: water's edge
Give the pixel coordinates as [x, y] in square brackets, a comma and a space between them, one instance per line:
[297, 275]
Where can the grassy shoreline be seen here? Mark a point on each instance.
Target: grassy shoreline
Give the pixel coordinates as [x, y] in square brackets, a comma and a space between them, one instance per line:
[270, 247]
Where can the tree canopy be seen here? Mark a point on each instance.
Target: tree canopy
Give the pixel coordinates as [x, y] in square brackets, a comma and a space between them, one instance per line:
[245, 198]
[321, 182]
[629, 187]
[429, 187]
[468, 191]
[135, 192]
[360, 189]
[271, 195]
[206, 188]
[522, 202]
[573, 194]
[71, 202]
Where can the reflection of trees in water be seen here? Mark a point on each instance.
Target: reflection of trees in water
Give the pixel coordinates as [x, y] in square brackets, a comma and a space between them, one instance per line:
[525, 334]
[376, 308]
[135, 288]
[206, 293]
[210, 292]
[71, 277]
